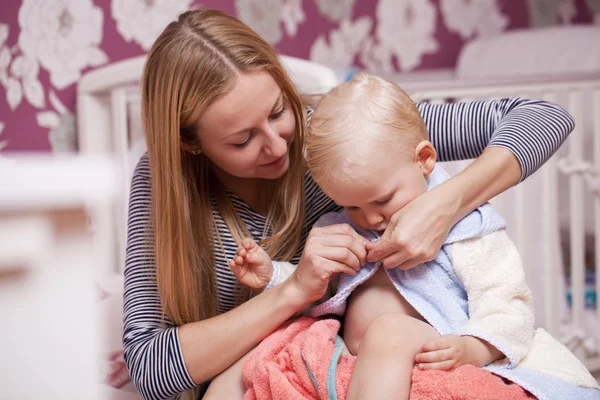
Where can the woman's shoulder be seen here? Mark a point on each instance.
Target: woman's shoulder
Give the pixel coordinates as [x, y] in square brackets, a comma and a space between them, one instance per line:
[142, 168]
[317, 202]
[141, 180]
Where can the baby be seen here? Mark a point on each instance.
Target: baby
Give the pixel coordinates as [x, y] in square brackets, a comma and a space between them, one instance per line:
[368, 151]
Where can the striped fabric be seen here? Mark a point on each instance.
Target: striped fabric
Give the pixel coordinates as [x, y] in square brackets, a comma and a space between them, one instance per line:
[532, 130]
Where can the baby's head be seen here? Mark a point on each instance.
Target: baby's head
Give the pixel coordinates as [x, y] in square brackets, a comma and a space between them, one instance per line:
[368, 149]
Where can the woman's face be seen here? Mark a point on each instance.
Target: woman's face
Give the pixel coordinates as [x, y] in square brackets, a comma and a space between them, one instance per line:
[247, 133]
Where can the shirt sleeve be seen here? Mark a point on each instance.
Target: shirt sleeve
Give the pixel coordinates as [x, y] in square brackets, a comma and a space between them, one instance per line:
[531, 129]
[152, 350]
[281, 271]
[500, 302]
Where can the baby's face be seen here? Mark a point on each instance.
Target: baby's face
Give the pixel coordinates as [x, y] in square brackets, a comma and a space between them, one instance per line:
[373, 195]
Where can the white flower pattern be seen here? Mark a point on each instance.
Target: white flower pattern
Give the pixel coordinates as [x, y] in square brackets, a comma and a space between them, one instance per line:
[63, 37]
[336, 10]
[142, 21]
[594, 8]
[469, 17]
[405, 30]
[45, 45]
[292, 15]
[61, 122]
[567, 11]
[263, 16]
[3, 143]
[543, 12]
[344, 43]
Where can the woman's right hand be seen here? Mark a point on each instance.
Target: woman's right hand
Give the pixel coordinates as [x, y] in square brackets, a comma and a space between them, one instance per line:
[328, 250]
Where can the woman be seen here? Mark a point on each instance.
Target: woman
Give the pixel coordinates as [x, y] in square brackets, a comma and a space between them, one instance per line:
[225, 131]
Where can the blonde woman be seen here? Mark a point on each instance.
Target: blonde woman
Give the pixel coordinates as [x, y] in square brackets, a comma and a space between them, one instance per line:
[225, 130]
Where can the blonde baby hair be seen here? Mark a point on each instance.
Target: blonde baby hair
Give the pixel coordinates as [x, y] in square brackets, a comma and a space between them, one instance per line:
[363, 118]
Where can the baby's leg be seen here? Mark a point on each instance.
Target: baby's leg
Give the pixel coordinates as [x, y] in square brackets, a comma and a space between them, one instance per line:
[228, 384]
[386, 357]
[373, 298]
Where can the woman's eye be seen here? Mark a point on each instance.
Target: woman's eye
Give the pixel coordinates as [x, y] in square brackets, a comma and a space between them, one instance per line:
[279, 113]
[244, 143]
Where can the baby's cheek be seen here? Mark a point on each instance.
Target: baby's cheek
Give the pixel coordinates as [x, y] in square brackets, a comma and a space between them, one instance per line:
[355, 218]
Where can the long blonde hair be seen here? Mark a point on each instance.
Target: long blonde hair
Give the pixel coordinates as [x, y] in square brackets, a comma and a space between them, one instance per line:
[194, 61]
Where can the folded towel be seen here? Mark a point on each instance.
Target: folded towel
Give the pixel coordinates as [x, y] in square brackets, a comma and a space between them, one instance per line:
[303, 360]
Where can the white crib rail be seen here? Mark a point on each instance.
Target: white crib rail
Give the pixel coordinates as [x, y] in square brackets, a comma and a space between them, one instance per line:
[584, 181]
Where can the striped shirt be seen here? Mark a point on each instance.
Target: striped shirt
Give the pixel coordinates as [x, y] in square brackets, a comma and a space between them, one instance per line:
[531, 130]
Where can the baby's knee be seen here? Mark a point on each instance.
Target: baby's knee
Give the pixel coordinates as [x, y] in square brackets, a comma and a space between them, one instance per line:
[395, 332]
[229, 383]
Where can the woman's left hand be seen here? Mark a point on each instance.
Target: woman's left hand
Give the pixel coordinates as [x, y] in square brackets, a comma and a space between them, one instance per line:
[416, 232]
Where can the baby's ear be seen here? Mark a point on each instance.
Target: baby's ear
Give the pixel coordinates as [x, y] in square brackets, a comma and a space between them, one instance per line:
[426, 156]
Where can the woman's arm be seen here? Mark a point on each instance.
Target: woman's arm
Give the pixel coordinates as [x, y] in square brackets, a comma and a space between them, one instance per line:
[511, 138]
[532, 130]
[164, 360]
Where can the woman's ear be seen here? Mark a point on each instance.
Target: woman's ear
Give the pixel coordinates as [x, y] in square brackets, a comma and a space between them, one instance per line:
[190, 149]
[426, 156]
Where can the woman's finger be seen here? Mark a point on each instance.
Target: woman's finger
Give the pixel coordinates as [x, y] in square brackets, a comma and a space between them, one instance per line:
[408, 264]
[346, 242]
[336, 267]
[340, 254]
[380, 249]
[342, 229]
[394, 259]
[434, 356]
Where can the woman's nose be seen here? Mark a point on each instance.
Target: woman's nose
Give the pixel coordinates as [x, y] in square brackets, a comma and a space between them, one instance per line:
[276, 145]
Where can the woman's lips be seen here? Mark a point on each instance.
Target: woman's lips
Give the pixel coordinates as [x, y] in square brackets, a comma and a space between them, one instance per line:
[277, 163]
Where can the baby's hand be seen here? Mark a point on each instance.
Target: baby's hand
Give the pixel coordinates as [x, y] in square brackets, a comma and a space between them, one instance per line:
[252, 266]
[445, 353]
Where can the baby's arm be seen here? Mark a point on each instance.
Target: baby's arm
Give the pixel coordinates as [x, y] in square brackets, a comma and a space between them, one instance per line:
[254, 268]
[501, 314]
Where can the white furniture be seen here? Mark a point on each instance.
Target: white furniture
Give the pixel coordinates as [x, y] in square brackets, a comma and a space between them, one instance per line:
[51, 336]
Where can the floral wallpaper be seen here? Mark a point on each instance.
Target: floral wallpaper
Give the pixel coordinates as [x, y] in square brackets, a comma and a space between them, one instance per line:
[46, 45]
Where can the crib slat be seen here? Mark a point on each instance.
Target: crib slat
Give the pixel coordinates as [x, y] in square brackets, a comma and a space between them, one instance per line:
[576, 193]
[121, 147]
[551, 239]
[520, 210]
[596, 134]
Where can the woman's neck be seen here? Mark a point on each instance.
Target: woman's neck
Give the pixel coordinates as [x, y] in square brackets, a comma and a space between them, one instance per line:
[251, 191]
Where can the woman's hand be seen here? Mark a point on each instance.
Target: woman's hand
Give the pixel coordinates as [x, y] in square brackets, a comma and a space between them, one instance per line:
[329, 250]
[416, 232]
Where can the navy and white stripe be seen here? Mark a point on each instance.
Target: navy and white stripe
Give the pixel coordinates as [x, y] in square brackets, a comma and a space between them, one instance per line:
[532, 130]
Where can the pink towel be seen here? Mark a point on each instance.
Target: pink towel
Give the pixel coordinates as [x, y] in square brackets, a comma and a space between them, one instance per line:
[294, 361]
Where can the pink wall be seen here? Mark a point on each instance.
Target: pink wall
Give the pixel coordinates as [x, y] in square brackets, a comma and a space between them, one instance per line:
[45, 45]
